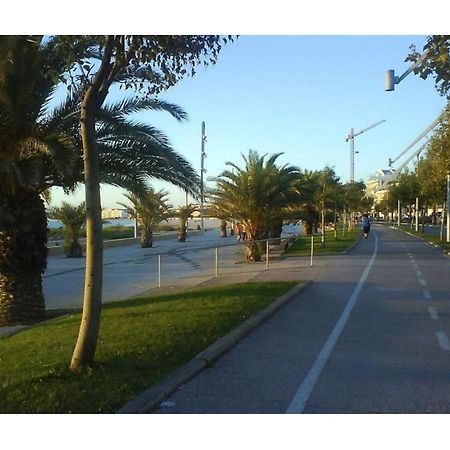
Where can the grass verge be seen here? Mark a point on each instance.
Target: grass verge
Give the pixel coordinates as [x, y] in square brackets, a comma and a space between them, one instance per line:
[432, 239]
[141, 341]
[302, 246]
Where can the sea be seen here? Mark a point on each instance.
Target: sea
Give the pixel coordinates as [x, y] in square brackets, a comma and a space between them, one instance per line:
[192, 224]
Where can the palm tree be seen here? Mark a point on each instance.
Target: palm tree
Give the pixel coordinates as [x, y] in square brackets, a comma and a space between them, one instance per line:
[40, 147]
[33, 155]
[73, 218]
[308, 184]
[149, 208]
[256, 196]
[184, 213]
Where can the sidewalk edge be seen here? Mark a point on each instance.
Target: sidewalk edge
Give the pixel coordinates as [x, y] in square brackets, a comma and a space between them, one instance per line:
[153, 396]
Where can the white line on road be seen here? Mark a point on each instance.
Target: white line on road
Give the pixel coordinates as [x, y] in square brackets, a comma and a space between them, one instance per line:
[433, 312]
[443, 340]
[427, 294]
[419, 273]
[422, 282]
[298, 403]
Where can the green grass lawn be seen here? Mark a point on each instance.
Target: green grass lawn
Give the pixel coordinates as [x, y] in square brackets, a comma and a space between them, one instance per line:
[141, 341]
[302, 246]
[428, 237]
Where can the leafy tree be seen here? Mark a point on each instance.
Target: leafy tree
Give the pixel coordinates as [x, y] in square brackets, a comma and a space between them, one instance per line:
[406, 190]
[326, 193]
[134, 61]
[149, 208]
[354, 193]
[436, 62]
[257, 196]
[308, 184]
[73, 218]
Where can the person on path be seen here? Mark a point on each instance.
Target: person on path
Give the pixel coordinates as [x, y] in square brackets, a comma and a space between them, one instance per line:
[238, 231]
[366, 225]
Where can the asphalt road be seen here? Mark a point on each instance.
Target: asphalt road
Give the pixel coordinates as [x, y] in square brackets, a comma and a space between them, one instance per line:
[370, 335]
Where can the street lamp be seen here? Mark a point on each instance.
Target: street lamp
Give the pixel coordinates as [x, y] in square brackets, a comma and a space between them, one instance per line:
[351, 137]
[390, 80]
[202, 171]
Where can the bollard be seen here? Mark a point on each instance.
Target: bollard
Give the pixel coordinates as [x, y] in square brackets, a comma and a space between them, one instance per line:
[217, 262]
[159, 270]
[312, 248]
[267, 255]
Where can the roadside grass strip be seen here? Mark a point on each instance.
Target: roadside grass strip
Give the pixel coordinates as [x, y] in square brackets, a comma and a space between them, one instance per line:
[435, 241]
[302, 245]
[141, 341]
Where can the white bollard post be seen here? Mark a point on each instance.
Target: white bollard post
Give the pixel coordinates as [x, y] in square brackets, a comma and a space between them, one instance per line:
[399, 213]
[312, 248]
[448, 208]
[159, 270]
[267, 254]
[417, 213]
[217, 262]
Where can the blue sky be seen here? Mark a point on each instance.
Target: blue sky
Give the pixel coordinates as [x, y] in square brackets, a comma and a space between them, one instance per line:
[300, 95]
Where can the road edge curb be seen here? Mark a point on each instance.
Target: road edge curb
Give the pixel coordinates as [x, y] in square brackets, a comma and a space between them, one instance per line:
[152, 397]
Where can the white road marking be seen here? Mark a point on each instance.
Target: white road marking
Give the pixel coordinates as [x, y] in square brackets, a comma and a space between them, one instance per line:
[419, 273]
[433, 312]
[298, 403]
[422, 282]
[443, 340]
[427, 295]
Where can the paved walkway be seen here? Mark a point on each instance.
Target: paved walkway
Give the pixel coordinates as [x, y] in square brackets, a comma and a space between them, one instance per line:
[370, 335]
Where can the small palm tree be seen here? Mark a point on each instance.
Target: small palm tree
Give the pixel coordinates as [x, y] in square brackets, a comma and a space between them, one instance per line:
[73, 218]
[184, 213]
[149, 208]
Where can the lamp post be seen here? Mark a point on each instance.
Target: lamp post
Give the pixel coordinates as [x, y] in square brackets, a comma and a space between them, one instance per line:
[351, 138]
[448, 208]
[202, 171]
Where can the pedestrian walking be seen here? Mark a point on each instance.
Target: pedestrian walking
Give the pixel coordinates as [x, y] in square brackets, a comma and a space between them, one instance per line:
[366, 225]
[244, 233]
[238, 231]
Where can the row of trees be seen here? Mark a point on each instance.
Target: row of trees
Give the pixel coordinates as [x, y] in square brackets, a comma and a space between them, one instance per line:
[261, 195]
[428, 180]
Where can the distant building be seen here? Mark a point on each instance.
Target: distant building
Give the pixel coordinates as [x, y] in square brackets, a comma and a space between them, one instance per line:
[374, 183]
[115, 213]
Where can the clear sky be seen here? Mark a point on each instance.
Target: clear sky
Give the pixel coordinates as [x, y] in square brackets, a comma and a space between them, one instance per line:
[299, 95]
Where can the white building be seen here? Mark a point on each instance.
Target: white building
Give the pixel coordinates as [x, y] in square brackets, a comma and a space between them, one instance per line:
[114, 213]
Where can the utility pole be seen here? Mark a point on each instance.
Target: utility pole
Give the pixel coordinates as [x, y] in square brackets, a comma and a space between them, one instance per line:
[448, 207]
[351, 137]
[202, 171]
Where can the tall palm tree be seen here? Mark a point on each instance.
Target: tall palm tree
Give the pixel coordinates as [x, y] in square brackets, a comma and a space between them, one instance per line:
[40, 147]
[256, 196]
[33, 154]
[73, 218]
[149, 208]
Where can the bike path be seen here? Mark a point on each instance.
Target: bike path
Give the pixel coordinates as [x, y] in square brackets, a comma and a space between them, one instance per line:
[360, 339]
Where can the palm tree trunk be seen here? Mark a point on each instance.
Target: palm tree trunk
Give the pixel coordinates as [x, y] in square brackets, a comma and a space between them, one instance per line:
[83, 355]
[146, 238]
[23, 257]
[182, 233]
[223, 228]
